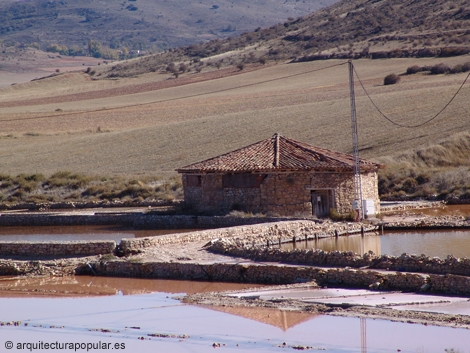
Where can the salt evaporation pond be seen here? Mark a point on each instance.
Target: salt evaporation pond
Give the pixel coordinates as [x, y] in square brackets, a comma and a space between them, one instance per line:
[125, 319]
[429, 242]
[69, 233]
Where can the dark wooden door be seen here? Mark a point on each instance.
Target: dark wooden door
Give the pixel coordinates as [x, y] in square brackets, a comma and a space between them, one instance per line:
[320, 203]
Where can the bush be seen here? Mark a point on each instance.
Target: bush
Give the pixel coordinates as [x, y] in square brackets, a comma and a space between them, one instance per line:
[391, 79]
[456, 69]
[440, 69]
[413, 70]
[466, 67]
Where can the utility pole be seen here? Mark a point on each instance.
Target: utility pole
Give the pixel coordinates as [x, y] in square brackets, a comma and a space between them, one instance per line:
[357, 171]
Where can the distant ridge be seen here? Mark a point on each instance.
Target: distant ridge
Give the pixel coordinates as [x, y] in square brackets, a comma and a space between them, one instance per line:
[146, 25]
[347, 29]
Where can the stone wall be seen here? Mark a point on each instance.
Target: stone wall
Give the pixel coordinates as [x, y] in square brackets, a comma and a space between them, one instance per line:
[404, 263]
[249, 234]
[155, 221]
[138, 220]
[278, 274]
[54, 219]
[286, 194]
[53, 248]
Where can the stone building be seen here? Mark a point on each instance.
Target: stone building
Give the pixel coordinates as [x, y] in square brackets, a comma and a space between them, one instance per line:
[278, 176]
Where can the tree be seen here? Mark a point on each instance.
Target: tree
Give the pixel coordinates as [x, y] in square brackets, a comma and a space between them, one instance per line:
[95, 49]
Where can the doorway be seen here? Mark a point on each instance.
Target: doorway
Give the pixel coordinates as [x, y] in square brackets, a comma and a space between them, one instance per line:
[321, 202]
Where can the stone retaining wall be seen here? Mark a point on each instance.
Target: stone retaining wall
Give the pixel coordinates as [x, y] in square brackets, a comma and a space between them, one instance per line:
[52, 248]
[257, 233]
[404, 262]
[138, 220]
[54, 219]
[279, 274]
[440, 222]
[155, 221]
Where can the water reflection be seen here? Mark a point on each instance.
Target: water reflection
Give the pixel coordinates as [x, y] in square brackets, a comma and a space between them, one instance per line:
[354, 243]
[448, 210]
[129, 320]
[70, 233]
[86, 286]
[283, 319]
[431, 243]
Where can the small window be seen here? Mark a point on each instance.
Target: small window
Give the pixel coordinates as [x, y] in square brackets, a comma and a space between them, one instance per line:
[242, 180]
[193, 180]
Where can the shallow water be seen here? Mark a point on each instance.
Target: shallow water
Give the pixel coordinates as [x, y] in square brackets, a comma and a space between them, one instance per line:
[68, 233]
[123, 319]
[432, 243]
[448, 210]
[86, 286]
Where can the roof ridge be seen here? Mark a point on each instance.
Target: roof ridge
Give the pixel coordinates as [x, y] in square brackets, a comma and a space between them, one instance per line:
[278, 153]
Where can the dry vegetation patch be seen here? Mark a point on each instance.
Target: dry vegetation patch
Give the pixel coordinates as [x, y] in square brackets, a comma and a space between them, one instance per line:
[65, 186]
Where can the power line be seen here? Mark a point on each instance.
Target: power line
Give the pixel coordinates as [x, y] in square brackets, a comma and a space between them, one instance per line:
[409, 126]
[178, 98]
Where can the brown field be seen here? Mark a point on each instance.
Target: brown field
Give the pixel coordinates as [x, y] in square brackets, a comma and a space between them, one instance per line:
[155, 123]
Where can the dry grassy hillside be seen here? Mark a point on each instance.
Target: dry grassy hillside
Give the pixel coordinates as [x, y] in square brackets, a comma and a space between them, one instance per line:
[347, 29]
[151, 125]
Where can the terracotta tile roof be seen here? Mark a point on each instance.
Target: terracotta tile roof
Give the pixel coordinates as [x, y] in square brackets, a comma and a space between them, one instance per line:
[279, 153]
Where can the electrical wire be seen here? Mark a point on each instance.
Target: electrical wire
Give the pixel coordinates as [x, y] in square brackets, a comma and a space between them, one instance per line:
[178, 98]
[409, 126]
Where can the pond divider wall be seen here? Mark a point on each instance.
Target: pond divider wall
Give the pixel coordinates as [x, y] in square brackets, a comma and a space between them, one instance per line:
[274, 232]
[285, 274]
[315, 257]
[56, 248]
[138, 220]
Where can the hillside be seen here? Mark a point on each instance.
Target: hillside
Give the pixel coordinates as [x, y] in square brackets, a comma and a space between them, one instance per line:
[347, 29]
[140, 24]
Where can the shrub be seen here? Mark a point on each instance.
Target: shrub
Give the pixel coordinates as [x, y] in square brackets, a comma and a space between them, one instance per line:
[456, 69]
[409, 185]
[413, 70]
[391, 79]
[336, 216]
[440, 69]
[466, 67]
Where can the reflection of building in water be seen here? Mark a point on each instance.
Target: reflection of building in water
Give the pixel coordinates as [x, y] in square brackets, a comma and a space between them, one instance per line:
[356, 243]
[274, 317]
